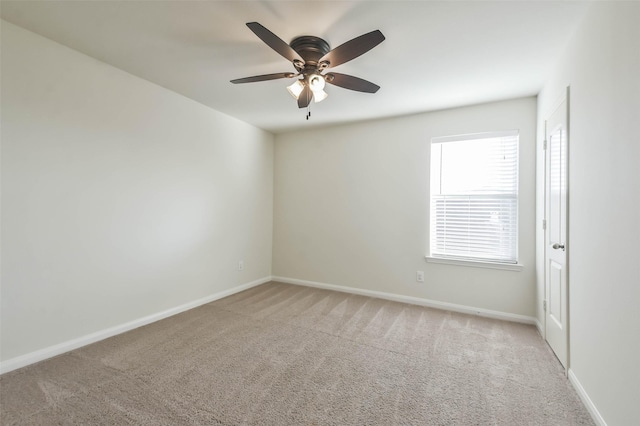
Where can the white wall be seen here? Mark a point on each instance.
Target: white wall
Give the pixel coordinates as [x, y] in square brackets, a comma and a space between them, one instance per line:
[120, 199]
[602, 66]
[351, 208]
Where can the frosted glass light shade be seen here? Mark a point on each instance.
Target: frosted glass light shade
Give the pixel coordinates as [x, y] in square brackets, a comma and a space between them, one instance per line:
[316, 83]
[319, 95]
[295, 89]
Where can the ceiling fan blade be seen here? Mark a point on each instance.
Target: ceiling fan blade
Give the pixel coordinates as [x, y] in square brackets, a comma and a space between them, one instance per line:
[353, 48]
[305, 97]
[274, 42]
[264, 77]
[352, 83]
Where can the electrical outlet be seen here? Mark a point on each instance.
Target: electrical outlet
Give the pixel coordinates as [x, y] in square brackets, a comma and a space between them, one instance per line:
[420, 276]
[241, 265]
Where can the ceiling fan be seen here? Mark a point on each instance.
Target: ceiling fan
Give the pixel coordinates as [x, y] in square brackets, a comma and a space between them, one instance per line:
[311, 56]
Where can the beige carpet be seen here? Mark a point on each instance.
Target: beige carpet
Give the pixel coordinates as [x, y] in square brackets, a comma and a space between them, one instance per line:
[280, 354]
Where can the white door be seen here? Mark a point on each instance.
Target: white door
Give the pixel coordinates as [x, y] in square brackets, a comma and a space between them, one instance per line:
[556, 277]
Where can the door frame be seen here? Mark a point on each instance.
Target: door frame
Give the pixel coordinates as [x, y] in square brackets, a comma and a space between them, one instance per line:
[556, 105]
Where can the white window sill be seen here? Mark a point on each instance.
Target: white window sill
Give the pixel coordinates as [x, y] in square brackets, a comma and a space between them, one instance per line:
[476, 264]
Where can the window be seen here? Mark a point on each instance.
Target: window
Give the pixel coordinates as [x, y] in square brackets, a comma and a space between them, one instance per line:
[474, 197]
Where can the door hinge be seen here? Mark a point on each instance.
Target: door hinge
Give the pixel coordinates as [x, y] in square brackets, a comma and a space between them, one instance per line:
[544, 146]
[544, 224]
[544, 305]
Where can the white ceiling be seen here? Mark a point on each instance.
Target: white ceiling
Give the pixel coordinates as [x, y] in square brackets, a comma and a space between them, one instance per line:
[437, 54]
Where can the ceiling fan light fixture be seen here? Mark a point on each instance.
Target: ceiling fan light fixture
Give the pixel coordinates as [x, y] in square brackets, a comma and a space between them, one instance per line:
[319, 95]
[316, 83]
[296, 88]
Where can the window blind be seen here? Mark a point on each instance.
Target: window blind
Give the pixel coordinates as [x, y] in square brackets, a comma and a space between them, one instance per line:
[474, 197]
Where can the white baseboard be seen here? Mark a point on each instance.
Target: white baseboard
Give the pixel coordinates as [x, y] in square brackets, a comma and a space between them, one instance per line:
[595, 414]
[414, 300]
[51, 351]
[539, 327]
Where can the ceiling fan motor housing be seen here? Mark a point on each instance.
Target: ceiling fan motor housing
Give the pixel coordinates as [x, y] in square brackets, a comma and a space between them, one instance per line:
[311, 49]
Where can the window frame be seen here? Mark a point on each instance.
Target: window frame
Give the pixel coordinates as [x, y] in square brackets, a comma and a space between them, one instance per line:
[470, 261]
